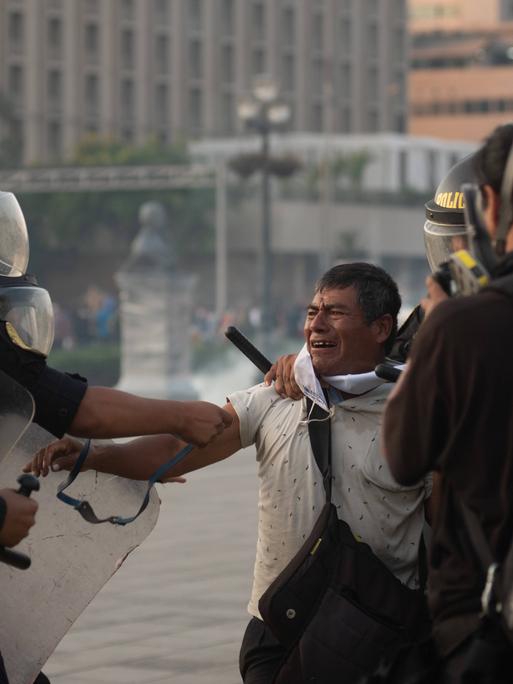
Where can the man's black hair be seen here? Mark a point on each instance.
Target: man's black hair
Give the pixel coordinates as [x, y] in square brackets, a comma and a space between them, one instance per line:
[377, 292]
[490, 159]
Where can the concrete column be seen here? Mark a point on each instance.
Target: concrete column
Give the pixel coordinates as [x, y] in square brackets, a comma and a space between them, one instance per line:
[73, 77]
[109, 67]
[35, 81]
[144, 83]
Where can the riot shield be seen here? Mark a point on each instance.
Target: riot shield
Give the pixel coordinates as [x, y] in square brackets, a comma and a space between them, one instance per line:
[16, 412]
[71, 559]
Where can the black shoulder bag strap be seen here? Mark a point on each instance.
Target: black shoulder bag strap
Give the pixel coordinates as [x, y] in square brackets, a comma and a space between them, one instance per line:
[319, 430]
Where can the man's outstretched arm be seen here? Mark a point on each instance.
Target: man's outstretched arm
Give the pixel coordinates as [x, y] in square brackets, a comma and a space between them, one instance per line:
[109, 413]
[139, 458]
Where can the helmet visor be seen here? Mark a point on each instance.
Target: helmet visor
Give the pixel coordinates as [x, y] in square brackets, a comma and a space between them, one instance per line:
[14, 244]
[28, 312]
[443, 240]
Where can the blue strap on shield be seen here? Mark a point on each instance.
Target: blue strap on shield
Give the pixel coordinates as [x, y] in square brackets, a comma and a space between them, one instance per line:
[84, 507]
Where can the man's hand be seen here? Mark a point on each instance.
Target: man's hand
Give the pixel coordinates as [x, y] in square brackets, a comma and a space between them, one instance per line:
[59, 455]
[435, 295]
[282, 372]
[19, 517]
[202, 422]
[63, 453]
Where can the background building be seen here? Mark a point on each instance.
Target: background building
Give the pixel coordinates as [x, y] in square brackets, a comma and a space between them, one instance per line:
[175, 68]
[461, 67]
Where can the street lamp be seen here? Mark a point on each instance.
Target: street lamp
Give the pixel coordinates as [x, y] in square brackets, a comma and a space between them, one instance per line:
[262, 111]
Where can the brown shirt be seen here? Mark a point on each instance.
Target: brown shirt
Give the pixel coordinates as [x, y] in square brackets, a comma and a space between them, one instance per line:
[454, 413]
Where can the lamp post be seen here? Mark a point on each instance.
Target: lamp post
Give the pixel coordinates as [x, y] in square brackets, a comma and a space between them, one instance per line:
[264, 112]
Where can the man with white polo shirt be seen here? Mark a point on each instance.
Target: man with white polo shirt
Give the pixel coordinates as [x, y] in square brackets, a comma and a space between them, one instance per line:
[350, 325]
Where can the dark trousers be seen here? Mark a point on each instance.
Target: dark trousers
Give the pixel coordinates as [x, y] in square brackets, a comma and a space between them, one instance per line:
[260, 654]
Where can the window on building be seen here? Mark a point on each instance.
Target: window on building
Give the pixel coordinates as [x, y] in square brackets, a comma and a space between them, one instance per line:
[92, 95]
[345, 119]
[91, 6]
[372, 7]
[372, 84]
[127, 99]
[195, 8]
[345, 36]
[317, 31]
[288, 32]
[372, 40]
[228, 17]
[54, 87]
[398, 46]
[258, 20]
[54, 4]
[317, 117]
[345, 81]
[127, 10]
[15, 81]
[258, 62]
[403, 169]
[127, 49]
[288, 80]
[161, 11]
[127, 134]
[372, 120]
[162, 54]
[195, 59]
[161, 105]
[91, 41]
[16, 30]
[228, 113]
[195, 110]
[54, 140]
[317, 85]
[227, 64]
[55, 36]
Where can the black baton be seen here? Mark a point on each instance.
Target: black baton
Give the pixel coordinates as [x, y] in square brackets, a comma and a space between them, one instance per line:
[28, 484]
[388, 372]
[247, 348]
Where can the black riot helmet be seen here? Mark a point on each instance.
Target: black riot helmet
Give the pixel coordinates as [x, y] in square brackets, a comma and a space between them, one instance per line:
[25, 308]
[444, 230]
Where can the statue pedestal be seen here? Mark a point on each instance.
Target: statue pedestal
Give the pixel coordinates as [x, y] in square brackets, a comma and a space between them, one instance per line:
[156, 302]
[155, 334]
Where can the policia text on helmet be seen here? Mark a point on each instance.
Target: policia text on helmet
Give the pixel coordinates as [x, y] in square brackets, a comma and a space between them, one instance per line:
[461, 255]
[446, 231]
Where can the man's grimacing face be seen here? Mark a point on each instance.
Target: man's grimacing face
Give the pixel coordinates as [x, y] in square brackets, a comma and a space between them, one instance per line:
[338, 338]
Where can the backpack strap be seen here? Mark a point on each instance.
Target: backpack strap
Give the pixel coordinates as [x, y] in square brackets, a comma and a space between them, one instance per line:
[319, 431]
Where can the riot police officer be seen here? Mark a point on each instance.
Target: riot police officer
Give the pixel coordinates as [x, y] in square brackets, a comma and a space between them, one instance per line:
[451, 413]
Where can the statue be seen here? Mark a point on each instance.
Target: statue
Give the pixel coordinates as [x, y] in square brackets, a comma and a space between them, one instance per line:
[156, 301]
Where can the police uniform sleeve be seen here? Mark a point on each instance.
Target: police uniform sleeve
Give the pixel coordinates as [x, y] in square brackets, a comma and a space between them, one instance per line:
[57, 395]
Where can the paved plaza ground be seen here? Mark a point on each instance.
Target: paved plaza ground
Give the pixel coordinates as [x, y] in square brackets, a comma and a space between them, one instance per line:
[176, 610]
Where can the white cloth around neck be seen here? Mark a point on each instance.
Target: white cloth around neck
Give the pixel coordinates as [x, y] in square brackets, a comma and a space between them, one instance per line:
[352, 383]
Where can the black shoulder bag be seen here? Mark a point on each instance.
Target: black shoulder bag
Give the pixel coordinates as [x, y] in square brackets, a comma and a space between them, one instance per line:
[336, 607]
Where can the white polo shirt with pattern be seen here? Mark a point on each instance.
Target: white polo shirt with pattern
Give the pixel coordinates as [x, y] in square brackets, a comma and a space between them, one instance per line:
[385, 515]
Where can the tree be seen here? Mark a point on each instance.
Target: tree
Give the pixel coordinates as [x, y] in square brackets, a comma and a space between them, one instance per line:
[103, 221]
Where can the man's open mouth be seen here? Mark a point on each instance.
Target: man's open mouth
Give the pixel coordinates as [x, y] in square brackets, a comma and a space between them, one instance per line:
[322, 344]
